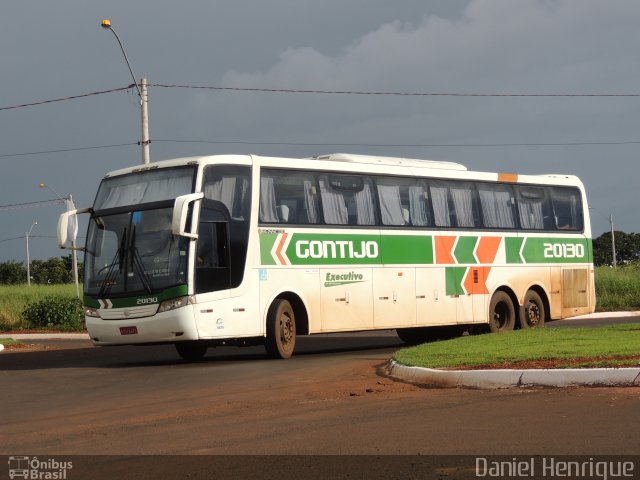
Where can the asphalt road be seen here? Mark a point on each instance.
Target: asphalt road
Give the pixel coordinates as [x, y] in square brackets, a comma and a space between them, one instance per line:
[327, 399]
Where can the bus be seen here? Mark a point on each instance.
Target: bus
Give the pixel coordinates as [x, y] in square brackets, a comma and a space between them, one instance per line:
[246, 250]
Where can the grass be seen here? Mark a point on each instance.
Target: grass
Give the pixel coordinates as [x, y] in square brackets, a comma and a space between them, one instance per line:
[9, 341]
[618, 288]
[596, 345]
[14, 298]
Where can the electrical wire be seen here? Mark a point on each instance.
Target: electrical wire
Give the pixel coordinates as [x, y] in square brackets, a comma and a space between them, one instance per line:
[40, 203]
[73, 97]
[400, 94]
[76, 149]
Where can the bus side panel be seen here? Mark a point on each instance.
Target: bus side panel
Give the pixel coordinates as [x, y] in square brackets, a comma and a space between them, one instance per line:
[304, 282]
[346, 299]
[394, 297]
[433, 305]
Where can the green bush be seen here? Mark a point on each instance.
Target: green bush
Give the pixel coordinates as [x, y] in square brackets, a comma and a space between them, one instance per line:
[58, 312]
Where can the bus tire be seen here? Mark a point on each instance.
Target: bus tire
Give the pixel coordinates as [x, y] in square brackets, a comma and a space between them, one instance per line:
[281, 329]
[191, 351]
[502, 314]
[532, 313]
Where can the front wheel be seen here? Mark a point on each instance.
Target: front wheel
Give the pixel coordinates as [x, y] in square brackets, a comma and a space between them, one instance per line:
[191, 351]
[502, 314]
[281, 330]
[533, 313]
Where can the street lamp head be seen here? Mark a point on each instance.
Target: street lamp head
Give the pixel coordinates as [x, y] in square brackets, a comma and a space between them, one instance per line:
[42, 185]
[106, 24]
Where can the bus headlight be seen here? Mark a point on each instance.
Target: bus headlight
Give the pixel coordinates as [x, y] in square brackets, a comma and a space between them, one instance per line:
[91, 312]
[173, 304]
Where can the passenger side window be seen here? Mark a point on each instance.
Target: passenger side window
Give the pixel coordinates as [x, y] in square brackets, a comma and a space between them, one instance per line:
[347, 200]
[497, 203]
[567, 208]
[403, 202]
[455, 204]
[534, 208]
[288, 197]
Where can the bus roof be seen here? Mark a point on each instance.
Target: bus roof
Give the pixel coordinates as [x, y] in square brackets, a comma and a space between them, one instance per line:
[379, 164]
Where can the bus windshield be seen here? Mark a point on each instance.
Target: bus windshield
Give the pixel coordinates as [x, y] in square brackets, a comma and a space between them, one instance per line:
[133, 252]
[144, 187]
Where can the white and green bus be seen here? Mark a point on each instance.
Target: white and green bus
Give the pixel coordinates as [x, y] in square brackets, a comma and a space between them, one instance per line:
[223, 250]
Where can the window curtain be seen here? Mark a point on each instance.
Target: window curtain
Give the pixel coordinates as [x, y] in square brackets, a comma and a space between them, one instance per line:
[463, 206]
[222, 190]
[364, 206]
[441, 206]
[268, 211]
[310, 201]
[418, 207]
[335, 210]
[531, 217]
[496, 208]
[149, 190]
[390, 205]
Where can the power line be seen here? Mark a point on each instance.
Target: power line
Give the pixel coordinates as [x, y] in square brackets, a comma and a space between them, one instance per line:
[40, 203]
[414, 145]
[335, 144]
[400, 94]
[73, 97]
[76, 149]
[324, 92]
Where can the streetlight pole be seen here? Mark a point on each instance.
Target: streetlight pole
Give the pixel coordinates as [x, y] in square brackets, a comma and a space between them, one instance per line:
[26, 236]
[613, 242]
[74, 253]
[614, 262]
[142, 93]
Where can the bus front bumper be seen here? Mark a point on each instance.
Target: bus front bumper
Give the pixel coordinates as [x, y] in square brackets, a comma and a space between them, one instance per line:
[166, 327]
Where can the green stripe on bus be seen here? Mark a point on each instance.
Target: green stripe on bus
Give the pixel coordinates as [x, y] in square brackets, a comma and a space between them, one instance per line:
[169, 293]
[454, 277]
[406, 249]
[464, 249]
[267, 241]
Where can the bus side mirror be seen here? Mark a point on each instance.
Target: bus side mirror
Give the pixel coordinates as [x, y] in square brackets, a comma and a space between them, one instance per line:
[180, 213]
[68, 228]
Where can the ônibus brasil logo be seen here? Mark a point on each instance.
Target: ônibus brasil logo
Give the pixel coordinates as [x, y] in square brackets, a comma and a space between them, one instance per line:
[36, 469]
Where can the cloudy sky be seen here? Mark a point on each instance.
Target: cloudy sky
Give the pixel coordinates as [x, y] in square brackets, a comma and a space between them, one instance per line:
[58, 49]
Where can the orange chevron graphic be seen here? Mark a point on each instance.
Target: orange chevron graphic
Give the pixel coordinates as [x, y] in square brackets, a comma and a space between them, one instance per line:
[475, 283]
[280, 247]
[487, 249]
[444, 246]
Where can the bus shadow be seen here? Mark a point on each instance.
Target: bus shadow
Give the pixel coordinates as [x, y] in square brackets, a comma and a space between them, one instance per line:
[166, 355]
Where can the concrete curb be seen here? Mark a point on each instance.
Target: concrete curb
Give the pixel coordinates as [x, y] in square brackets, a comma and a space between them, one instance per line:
[46, 336]
[492, 379]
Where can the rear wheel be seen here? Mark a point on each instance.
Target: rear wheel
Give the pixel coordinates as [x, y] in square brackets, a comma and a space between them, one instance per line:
[502, 314]
[281, 330]
[191, 351]
[533, 313]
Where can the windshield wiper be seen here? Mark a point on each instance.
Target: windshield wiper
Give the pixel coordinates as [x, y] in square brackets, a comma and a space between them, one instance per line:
[136, 262]
[111, 273]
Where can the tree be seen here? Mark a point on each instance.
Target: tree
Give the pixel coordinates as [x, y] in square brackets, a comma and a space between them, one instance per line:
[12, 273]
[53, 270]
[627, 248]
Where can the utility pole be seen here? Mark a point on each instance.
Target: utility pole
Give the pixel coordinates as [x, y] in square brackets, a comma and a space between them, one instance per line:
[144, 101]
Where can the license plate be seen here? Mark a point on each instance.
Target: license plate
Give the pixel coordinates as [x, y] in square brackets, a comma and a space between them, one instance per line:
[128, 330]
